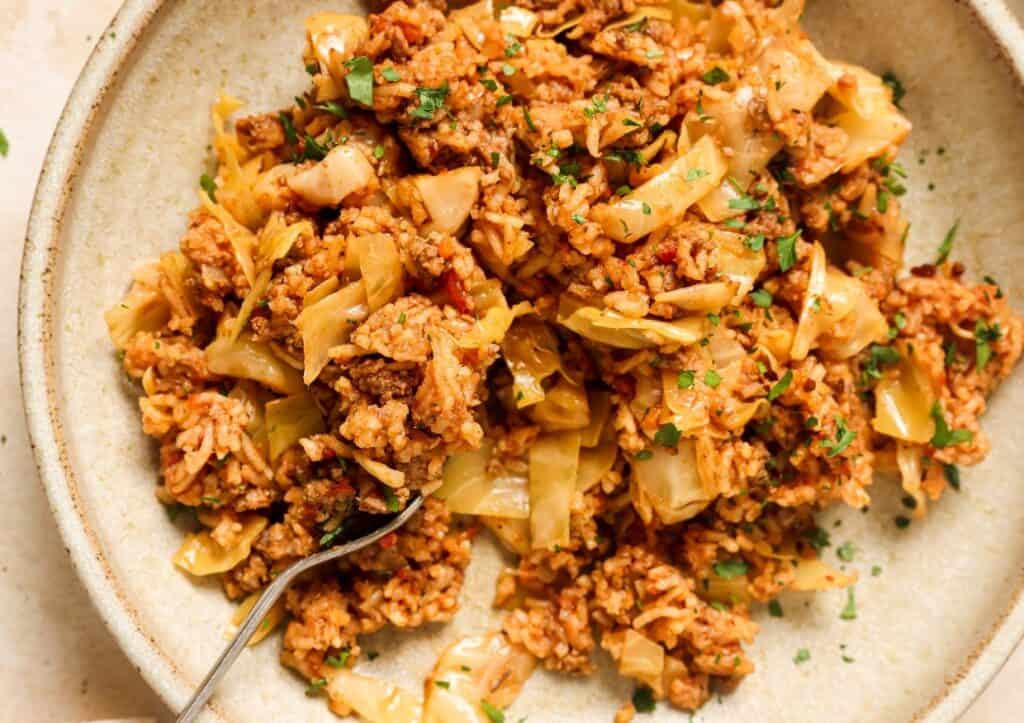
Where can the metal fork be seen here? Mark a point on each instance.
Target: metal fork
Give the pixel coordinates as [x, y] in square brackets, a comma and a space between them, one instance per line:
[269, 597]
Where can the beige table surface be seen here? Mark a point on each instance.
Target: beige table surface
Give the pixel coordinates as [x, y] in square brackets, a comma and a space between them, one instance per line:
[59, 663]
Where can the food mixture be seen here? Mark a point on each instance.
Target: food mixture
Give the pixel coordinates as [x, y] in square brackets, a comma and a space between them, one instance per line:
[621, 283]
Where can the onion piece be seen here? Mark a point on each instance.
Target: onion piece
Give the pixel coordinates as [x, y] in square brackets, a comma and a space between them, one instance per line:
[246, 358]
[375, 700]
[469, 489]
[554, 464]
[475, 669]
[200, 554]
[290, 419]
[343, 171]
[449, 196]
[665, 197]
[328, 323]
[671, 483]
[903, 402]
[270, 621]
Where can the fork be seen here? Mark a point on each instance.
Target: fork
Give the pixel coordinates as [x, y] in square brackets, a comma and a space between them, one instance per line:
[270, 596]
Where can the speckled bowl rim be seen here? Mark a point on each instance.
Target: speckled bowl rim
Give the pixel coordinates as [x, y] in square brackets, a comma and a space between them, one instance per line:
[36, 352]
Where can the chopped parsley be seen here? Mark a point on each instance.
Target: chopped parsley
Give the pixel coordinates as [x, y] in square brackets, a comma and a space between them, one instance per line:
[209, 185]
[786, 247]
[529, 120]
[802, 656]
[313, 151]
[623, 190]
[579, 219]
[505, 100]
[715, 76]
[944, 436]
[846, 552]
[638, 27]
[646, 209]
[5, 145]
[328, 538]
[780, 387]
[490, 84]
[643, 700]
[730, 569]
[390, 500]
[513, 47]
[877, 357]
[339, 660]
[775, 609]
[685, 379]
[667, 435]
[495, 715]
[897, 87]
[844, 436]
[761, 298]
[850, 609]
[634, 158]
[495, 158]
[443, 684]
[598, 105]
[952, 474]
[643, 455]
[712, 378]
[315, 686]
[882, 201]
[508, 69]
[391, 75]
[334, 109]
[359, 80]
[754, 243]
[902, 522]
[818, 538]
[378, 151]
[694, 173]
[430, 100]
[211, 500]
[289, 128]
[876, 570]
[983, 334]
[654, 53]
[947, 243]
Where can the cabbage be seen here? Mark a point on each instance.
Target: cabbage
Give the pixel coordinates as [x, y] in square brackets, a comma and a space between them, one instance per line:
[257, 397]
[380, 471]
[689, 407]
[333, 38]
[909, 461]
[494, 317]
[343, 171]
[731, 592]
[320, 291]
[469, 489]
[710, 297]
[726, 118]
[554, 463]
[513, 533]
[243, 241]
[564, 407]
[479, 668]
[641, 659]
[200, 554]
[530, 350]
[270, 621]
[376, 701]
[381, 268]
[449, 196]
[596, 462]
[815, 576]
[145, 308]
[175, 269]
[869, 117]
[794, 73]
[600, 403]
[736, 262]
[237, 176]
[655, 12]
[609, 327]
[245, 358]
[518, 21]
[837, 314]
[670, 483]
[477, 23]
[903, 402]
[290, 419]
[665, 198]
[328, 323]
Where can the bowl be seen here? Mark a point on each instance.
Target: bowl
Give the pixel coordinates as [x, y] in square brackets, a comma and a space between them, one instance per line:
[933, 628]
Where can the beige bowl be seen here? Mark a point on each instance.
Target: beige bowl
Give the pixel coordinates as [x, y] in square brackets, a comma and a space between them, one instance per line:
[933, 627]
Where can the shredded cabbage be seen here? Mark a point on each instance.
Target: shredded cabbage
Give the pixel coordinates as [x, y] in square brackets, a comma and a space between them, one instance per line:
[380, 471]
[513, 533]
[609, 327]
[290, 419]
[869, 117]
[469, 489]
[815, 576]
[375, 700]
[449, 196]
[909, 458]
[343, 171]
[270, 621]
[642, 659]
[145, 308]
[333, 38]
[596, 462]
[903, 402]
[530, 350]
[600, 403]
[664, 198]
[246, 358]
[709, 297]
[670, 483]
[201, 555]
[238, 175]
[328, 323]
[554, 464]
[257, 397]
[475, 669]
[381, 267]
[518, 21]
[564, 407]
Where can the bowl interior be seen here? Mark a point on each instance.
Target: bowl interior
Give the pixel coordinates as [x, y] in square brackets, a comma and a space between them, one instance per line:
[945, 581]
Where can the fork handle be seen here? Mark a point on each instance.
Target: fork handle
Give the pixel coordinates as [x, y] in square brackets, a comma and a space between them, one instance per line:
[270, 596]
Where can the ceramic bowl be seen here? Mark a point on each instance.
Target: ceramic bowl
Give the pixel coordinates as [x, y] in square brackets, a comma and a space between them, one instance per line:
[121, 174]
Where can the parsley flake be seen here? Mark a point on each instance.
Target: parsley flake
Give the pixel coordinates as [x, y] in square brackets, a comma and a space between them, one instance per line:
[431, 100]
[844, 436]
[685, 379]
[495, 715]
[712, 378]
[761, 298]
[944, 436]
[359, 80]
[715, 76]
[667, 435]
[643, 700]
[391, 75]
[780, 387]
[947, 243]
[802, 656]
[730, 569]
[209, 185]
[850, 609]
[786, 247]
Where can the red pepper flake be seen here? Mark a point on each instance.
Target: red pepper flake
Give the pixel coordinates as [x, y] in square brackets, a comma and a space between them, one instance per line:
[328, 453]
[456, 292]
[625, 386]
[389, 540]
[926, 271]
[667, 252]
